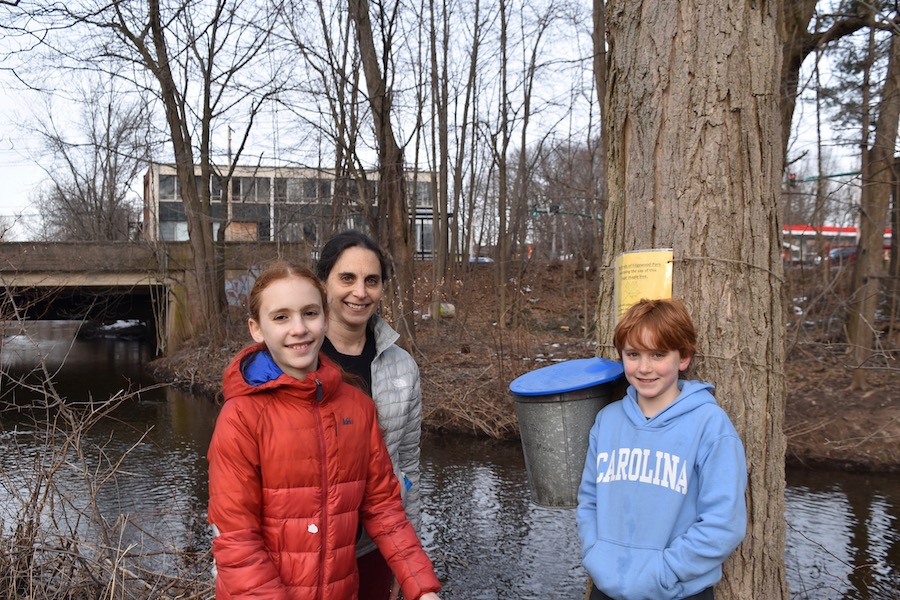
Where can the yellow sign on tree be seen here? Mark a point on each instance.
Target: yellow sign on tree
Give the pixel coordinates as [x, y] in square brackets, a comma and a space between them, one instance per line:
[642, 274]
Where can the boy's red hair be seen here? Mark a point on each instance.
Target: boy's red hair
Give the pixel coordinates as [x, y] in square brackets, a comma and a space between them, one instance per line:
[665, 322]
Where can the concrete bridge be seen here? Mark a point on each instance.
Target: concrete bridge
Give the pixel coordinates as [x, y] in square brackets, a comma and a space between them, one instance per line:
[148, 281]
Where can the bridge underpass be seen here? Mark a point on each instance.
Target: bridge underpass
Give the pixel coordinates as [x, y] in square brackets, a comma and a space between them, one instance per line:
[96, 304]
[97, 300]
[85, 303]
[107, 282]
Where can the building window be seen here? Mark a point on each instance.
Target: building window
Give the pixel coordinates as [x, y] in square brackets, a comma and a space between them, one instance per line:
[369, 188]
[309, 189]
[215, 189]
[250, 190]
[298, 229]
[173, 231]
[301, 190]
[170, 190]
[167, 187]
[291, 232]
[310, 231]
[420, 193]
[263, 187]
[280, 189]
[424, 242]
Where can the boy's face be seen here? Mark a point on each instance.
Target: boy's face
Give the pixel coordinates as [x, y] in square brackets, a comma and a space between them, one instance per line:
[652, 372]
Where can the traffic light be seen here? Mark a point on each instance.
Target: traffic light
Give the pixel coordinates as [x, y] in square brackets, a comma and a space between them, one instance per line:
[792, 180]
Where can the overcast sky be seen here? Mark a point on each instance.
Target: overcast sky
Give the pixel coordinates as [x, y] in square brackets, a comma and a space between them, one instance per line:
[21, 174]
[18, 169]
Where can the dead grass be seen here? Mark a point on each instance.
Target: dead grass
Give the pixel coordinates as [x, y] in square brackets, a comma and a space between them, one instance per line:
[468, 362]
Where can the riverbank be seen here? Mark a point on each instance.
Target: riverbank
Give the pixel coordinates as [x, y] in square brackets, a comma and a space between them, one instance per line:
[467, 363]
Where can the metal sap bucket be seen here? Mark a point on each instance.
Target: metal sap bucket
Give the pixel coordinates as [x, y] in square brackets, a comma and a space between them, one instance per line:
[556, 407]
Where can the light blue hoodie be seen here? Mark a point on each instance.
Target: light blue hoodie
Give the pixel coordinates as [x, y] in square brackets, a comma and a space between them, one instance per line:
[661, 501]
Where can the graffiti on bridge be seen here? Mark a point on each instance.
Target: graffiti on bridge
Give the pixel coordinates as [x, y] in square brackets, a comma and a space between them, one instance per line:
[237, 289]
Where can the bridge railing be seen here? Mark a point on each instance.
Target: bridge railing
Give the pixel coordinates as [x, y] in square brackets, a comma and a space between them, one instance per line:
[158, 257]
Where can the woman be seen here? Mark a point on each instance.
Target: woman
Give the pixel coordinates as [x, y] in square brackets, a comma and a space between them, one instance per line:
[297, 462]
[354, 269]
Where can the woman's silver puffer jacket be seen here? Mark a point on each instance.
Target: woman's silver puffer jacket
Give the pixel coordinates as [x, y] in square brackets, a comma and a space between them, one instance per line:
[398, 399]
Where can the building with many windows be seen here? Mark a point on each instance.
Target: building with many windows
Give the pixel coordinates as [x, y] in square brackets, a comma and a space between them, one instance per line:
[287, 204]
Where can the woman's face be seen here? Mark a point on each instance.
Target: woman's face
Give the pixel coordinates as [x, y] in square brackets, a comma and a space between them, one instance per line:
[354, 287]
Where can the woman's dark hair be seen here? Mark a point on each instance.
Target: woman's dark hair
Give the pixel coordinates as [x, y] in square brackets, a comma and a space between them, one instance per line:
[351, 238]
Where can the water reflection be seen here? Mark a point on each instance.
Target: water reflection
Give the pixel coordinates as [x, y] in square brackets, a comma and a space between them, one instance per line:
[54, 344]
[142, 462]
[487, 539]
[843, 540]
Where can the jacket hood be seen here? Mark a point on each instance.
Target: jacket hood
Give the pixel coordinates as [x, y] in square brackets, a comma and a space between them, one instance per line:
[692, 395]
[253, 371]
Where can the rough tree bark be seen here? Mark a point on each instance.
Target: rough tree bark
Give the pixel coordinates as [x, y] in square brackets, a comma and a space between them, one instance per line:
[695, 159]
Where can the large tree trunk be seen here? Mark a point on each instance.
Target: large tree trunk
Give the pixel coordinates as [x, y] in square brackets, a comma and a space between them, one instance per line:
[878, 180]
[694, 164]
[394, 229]
[209, 313]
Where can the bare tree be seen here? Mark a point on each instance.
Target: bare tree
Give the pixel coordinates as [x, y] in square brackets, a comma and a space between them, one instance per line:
[864, 102]
[526, 31]
[569, 200]
[461, 234]
[6, 226]
[439, 44]
[394, 229]
[202, 63]
[501, 140]
[92, 165]
[325, 98]
[598, 37]
[801, 39]
[692, 113]
[878, 181]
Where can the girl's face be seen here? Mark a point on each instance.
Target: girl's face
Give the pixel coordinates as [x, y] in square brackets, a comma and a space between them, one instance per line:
[354, 287]
[292, 324]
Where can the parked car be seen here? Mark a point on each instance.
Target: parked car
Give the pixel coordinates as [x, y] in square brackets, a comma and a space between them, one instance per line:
[844, 255]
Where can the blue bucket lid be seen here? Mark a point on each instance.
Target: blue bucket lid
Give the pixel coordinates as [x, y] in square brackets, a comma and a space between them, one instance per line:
[566, 377]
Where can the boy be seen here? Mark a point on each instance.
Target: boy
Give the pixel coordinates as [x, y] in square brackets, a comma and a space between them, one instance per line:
[661, 501]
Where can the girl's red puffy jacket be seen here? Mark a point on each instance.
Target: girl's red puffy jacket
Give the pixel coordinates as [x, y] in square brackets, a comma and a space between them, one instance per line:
[294, 466]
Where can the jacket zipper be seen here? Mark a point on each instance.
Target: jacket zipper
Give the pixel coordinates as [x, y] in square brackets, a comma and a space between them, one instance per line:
[324, 524]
